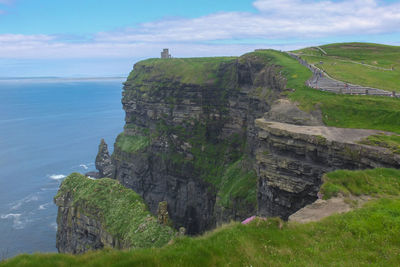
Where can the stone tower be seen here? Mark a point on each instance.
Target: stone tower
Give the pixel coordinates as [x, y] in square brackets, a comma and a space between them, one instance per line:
[165, 53]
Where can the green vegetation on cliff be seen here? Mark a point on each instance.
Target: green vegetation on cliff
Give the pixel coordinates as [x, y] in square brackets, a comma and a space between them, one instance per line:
[132, 143]
[346, 111]
[366, 236]
[121, 211]
[220, 163]
[238, 183]
[376, 182]
[366, 64]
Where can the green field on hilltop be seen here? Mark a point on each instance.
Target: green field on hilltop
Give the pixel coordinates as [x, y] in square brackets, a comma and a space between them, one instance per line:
[346, 111]
[186, 70]
[366, 236]
[365, 64]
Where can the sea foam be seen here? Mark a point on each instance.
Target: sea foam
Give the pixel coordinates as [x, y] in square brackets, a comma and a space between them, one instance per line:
[57, 176]
[17, 223]
[84, 166]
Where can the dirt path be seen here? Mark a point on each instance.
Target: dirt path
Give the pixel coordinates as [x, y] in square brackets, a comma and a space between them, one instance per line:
[322, 81]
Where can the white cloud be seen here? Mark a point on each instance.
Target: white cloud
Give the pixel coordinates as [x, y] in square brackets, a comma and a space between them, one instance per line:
[274, 22]
[275, 19]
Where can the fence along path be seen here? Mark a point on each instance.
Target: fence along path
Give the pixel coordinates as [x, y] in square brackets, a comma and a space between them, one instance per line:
[323, 82]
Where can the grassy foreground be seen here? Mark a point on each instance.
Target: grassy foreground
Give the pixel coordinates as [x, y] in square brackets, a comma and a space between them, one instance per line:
[366, 64]
[366, 236]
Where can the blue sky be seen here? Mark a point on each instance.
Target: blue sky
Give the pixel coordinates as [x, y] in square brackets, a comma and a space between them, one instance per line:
[105, 38]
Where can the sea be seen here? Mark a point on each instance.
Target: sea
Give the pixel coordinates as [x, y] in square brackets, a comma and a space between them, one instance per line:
[49, 128]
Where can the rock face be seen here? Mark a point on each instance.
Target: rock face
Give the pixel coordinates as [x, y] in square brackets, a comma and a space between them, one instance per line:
[291, 160]
[192, 130]
[103, 161]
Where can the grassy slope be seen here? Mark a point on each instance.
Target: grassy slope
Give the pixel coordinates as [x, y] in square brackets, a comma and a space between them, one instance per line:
[346, 111]
[377, 182]
[367, 236]
[122, 210]
[341, 63]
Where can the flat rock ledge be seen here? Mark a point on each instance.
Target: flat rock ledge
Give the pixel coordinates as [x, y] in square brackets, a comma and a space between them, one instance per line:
[323, 208]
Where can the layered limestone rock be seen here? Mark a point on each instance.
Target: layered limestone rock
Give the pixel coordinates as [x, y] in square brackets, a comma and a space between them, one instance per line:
[291, 160]
[185, 131]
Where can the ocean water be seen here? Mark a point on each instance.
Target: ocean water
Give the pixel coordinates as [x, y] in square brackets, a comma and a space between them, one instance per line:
[48, 129]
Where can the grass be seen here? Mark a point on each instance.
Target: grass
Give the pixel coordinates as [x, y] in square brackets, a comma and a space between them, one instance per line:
[345, 111]
[359, 63]
[185, 70]
[392, 142]
[376, 182]
[238, 182]
[131, 144]
[121, 211]
[367, 236]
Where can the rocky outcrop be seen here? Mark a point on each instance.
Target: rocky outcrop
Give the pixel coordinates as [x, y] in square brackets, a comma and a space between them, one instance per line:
[283, 110]
[291, 160]
[96, 214]
[103, 161]
[79, 230]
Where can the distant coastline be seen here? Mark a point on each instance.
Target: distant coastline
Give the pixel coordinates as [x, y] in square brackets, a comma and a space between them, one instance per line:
[61, 79]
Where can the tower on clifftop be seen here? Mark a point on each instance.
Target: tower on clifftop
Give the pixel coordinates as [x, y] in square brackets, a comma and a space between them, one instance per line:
[165, 53]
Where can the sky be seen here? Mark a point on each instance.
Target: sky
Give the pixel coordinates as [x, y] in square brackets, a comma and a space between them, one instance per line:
[97, 38]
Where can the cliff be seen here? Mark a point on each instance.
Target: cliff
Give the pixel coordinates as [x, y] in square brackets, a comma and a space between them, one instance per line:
[292, 159]
[189, 135]
[95, 214]
[190, 139]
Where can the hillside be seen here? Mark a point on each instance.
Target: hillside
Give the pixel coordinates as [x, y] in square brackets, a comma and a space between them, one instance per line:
[365, 64]
[346, 111]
